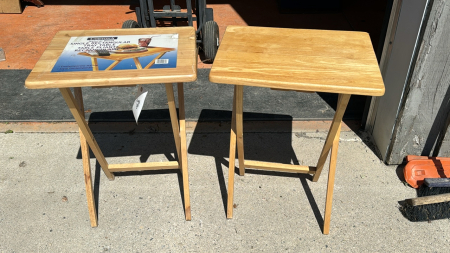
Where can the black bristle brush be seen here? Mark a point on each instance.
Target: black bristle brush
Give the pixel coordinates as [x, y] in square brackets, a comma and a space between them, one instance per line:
[432, 202]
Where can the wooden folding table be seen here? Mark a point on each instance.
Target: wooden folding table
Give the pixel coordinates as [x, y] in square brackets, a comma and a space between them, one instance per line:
[41, 77]
[295, 59]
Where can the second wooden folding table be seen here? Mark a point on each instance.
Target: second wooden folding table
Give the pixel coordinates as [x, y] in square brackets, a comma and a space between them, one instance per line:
[295, 59]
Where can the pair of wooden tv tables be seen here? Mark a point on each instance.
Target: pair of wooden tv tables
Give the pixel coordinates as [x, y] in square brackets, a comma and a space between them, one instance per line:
[286, 59]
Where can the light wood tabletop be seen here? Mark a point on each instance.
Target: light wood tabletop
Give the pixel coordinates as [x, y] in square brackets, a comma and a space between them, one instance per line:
[298, 59]
[41, 76]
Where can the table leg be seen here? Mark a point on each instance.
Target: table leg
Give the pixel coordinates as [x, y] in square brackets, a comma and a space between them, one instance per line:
[86, 164]
[232, 158]
[183, 152]
[84, 128]
[173, 117]
[330, 186]
[179, 134]
[341, 106]
[239, 127]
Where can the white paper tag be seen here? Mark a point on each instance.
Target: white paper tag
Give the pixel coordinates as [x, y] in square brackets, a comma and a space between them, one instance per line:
[138, 104]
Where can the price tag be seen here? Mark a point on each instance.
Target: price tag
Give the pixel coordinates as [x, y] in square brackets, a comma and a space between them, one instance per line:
[139, 103]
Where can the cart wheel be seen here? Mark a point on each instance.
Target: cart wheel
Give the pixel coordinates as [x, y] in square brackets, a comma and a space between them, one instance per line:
[130, 24]
[210, 39]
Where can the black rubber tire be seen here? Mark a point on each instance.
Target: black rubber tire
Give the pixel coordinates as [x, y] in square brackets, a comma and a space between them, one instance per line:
[210, 40]
[130, 24]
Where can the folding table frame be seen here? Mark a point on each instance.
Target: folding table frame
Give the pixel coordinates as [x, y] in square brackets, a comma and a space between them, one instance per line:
[87, 140]
[331, 143]
[339, 62]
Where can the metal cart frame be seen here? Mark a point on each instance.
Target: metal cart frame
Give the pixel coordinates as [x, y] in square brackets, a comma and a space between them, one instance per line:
[207, 29]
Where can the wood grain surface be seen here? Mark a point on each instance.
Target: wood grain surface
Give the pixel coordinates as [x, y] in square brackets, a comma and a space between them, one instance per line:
[298, 59]
[41, 76]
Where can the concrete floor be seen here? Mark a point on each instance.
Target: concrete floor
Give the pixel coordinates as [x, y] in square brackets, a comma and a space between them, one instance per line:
[43, 203]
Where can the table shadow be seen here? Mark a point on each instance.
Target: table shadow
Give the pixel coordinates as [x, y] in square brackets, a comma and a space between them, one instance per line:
[124, 143]
[355, 108]
[273, 146]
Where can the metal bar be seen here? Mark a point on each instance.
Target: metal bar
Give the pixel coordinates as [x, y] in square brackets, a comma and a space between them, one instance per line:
[170, 14]
[144, 13]
[189, 12]
[172, 8]
[139, 16]
[151, 12]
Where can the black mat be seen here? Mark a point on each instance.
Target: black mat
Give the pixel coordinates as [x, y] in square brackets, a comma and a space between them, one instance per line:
[212, 101]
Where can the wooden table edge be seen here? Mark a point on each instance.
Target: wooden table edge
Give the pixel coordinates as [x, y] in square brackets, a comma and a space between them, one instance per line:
[34, 85]
[330, 89]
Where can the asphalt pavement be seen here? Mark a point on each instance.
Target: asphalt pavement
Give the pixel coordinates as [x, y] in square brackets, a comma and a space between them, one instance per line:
[205, 101]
